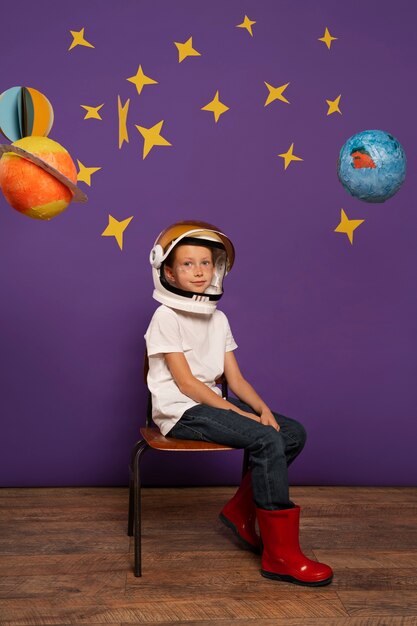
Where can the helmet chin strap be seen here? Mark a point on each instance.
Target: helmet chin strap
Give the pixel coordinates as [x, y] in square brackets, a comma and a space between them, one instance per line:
[198, 304]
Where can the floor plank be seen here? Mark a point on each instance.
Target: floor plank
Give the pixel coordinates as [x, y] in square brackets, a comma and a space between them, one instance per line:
[33, 586]
[374, 603]
[332, 621]
[346, 559]
[113, 609]
[62, 564]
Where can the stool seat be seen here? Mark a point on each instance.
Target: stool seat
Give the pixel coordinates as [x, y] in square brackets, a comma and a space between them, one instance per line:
[155, 440]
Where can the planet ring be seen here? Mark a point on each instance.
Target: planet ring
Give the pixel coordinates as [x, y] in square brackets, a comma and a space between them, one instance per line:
[77, 194]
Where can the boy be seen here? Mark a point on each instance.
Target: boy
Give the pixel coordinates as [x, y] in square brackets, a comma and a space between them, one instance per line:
[190, 345]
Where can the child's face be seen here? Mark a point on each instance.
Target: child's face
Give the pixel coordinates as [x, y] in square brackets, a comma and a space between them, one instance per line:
[192, 269]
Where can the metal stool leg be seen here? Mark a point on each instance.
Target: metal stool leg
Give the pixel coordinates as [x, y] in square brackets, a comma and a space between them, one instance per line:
[131, 506]
[131, 488]
[140, 448]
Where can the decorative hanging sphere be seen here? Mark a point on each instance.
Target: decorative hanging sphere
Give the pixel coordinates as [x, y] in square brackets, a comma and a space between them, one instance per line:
[25, 111]
[372, 165]
[40, 181]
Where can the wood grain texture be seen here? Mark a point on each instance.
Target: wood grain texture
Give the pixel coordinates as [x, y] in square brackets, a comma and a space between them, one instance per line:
[65, 558]
[332, 621]
[374, 603]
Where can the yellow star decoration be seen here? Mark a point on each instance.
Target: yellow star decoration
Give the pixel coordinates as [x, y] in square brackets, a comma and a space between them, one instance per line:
[289, 156]
[186, 50]
[85, 173]
[116, 229]
[217, 107]
[247, 23]
[92, 112]
[122, 112]
[79, 40]
[140, 80]
[334, 105]
[275, 93]
[152, 137]
[347, 226]
[327, 38]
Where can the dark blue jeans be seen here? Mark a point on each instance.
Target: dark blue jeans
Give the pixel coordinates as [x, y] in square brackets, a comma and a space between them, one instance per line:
[270, 451]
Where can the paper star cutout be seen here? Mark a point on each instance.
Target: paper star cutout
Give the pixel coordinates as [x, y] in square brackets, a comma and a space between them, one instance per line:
[122, 112]
[140, 80]
[334, 105]
[247, 23]
[347, 226]
[78, 39]
[152, 137]
[275, 93]
[186, 50]
[217, 107]
[116, 229]
[327, 38]
[92, 112]
[85, 173]
[289, 156]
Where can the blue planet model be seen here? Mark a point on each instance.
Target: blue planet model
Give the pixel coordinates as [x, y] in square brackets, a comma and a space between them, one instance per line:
[372, 165]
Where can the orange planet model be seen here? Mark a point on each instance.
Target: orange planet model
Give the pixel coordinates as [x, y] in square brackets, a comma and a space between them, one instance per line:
[30, 189]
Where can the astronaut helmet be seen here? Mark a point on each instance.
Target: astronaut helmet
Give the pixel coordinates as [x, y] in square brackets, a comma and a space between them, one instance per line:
[190, 233]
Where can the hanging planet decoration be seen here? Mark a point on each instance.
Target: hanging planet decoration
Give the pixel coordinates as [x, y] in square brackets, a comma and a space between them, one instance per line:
[25, 111]
[372, 165]
[38, 177]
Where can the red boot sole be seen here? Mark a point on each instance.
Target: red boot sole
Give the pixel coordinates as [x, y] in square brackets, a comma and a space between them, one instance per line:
[291, 579]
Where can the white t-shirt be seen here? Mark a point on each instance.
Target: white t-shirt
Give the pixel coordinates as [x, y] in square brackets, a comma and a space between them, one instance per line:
[203, 339]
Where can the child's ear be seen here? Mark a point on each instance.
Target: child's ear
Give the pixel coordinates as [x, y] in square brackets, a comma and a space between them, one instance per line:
[168, 274]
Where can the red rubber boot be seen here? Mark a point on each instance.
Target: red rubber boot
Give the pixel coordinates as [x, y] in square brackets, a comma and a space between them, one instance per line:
[282, 558]
[239, 514]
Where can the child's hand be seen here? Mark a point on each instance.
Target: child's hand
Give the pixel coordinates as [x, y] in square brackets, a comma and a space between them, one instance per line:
[267, 419]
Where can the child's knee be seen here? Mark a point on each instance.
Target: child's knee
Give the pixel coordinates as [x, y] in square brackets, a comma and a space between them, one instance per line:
[273, 441]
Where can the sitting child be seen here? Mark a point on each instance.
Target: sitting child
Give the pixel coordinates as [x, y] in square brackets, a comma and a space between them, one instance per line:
[190, 344]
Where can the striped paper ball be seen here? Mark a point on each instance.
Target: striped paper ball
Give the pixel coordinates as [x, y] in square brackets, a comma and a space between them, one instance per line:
[25, 111]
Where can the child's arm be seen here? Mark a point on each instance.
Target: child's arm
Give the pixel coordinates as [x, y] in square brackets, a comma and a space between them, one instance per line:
[190, 386]
[245, 392]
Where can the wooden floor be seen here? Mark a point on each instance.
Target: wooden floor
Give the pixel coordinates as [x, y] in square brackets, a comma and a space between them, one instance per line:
[65, 558]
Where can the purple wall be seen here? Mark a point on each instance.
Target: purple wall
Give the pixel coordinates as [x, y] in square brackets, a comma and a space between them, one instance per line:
[326, 330]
